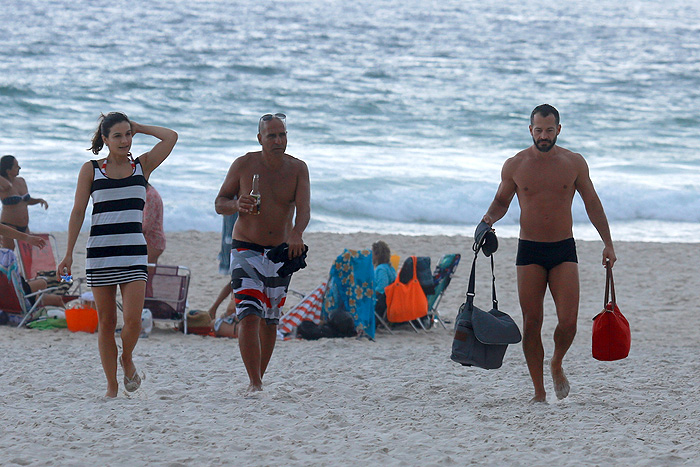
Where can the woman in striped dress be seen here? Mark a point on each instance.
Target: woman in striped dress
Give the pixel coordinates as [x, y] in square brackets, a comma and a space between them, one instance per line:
[116, 248]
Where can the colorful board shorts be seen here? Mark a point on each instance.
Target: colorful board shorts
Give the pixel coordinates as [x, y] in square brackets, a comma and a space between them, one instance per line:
[257, 287]
[546, 254]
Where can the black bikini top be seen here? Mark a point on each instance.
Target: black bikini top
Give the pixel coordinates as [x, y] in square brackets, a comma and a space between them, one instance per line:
[16, 199]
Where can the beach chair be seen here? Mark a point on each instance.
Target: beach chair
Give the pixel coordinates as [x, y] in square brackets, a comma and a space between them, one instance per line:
[380, 319]
[41, 262]
[308, 309]
[395, 260]
[442, 276]
[13, 299]
[166, 293]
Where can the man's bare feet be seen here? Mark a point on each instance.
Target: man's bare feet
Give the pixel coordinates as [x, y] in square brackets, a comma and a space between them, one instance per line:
[254, 388]
[561, 384]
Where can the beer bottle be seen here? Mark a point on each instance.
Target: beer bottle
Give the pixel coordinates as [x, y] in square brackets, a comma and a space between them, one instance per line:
[255, 193]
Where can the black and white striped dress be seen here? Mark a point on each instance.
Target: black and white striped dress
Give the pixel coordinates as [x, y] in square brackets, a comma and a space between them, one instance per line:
[116, 249]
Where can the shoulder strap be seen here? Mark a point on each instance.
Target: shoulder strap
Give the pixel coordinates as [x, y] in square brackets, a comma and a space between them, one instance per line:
[415, 268]
[493, 286]
[472, 275]
[470, 288]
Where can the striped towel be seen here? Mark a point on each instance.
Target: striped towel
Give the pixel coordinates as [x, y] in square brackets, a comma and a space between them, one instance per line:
[308, 309]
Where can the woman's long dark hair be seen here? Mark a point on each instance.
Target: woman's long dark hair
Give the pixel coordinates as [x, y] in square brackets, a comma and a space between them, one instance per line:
[6, 163]
[106, 124]
[380, 253]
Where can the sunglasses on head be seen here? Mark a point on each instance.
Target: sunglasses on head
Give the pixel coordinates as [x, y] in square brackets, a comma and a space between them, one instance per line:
[268, 117]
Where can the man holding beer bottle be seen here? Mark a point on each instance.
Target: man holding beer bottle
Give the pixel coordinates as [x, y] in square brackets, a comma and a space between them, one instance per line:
[265, 188]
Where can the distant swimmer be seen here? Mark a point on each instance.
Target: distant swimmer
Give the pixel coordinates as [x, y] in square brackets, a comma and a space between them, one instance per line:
[545, 177]
[270, 191]
[15, 199]
[117, 253]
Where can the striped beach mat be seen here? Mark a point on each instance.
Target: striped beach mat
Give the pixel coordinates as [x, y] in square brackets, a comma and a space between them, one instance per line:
[308, 309]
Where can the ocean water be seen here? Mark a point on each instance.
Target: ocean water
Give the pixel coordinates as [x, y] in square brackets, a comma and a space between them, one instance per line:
[403, 110]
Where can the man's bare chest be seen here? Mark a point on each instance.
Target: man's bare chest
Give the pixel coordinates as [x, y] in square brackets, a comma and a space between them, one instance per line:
[276, 187]
[538, 178]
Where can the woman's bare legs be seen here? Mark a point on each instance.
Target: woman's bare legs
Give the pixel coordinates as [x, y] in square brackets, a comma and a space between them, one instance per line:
[106, 302]
[133, 294]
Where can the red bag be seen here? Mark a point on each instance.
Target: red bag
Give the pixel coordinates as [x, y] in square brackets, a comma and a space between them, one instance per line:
[611, 331]
[405, 302]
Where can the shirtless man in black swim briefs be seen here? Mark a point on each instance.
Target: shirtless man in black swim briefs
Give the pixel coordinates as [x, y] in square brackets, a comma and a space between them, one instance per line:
[263, 224]
[545, 177]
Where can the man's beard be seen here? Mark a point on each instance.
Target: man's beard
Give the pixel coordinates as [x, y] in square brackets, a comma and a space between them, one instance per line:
[544, 148]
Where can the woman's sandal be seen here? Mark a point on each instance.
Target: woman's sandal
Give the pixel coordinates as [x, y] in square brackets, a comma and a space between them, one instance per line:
[133, 383]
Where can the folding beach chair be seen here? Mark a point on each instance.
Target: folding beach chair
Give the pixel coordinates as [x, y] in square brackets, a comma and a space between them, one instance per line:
[41, 262]
[442, 276]
[166, 293]
[380, 319]
[13, 300]
[308, 309]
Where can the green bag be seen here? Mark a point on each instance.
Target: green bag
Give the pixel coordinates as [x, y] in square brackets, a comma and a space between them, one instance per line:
[48, 323]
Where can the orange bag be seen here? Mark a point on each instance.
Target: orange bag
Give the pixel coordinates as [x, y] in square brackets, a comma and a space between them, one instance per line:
[611, 331]
[405, 302]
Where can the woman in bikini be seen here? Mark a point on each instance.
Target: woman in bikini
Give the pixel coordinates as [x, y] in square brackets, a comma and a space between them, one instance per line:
[117, 255]
[15, 199]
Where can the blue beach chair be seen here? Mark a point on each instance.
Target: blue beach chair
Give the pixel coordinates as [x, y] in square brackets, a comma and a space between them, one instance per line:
[442, 276]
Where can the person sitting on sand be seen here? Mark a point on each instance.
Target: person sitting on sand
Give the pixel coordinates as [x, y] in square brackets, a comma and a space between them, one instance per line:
[15, 198]
[384, 273]
[546, 177]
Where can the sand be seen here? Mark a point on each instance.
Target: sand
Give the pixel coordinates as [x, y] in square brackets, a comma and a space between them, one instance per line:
[397, 401]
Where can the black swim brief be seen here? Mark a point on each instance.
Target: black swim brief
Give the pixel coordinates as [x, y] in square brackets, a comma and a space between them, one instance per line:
[546, 254]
